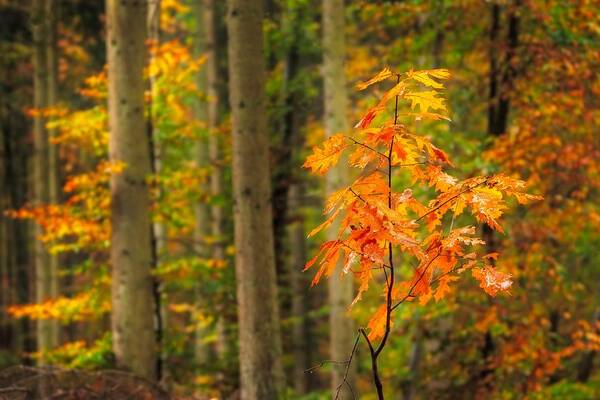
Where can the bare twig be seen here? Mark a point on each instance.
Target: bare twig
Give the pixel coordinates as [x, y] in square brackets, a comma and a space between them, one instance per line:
[345, 378]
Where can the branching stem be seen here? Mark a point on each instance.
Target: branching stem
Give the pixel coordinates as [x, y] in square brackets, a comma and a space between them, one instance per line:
[389, 279]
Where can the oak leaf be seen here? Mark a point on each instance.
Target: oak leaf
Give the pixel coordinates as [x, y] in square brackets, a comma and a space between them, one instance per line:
[328, 155]
[381, 76]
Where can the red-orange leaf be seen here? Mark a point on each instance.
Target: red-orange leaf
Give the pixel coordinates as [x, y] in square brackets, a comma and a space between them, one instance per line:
[377, 322]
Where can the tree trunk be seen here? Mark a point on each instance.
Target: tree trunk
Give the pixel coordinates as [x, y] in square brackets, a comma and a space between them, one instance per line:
[16, 154]
[500, 85]
[134, 341]
[260, 346]
[214, 152]
[202, 216]
[40, 168]
[53, 166]
[336, 105]
[158, 230]
[6, 328]
[299, 287]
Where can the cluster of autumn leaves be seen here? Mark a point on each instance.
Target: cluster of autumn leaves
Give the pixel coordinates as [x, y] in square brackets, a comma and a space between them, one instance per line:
[376, 219]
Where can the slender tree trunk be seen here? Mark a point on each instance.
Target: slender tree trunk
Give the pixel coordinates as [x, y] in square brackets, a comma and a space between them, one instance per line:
[134, 341]
[409, 388]
[299, 287]
[210, 218]
[282, 155]
[258, 314]
[53, 166]
[214, 153]
[6, 331]
[498, 108]
[501, 77]
[40, 168]
[158, 230]
[290, 185]
[202, 212]
[336, 105]
[16, 153]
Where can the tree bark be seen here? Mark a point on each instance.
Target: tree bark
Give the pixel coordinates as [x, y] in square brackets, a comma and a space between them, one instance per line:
[299, 287]
[336, 105]
[500, 83]
[258, 315]
[54, 184]
[158, 230]
[214, 152]
[6, 328]
[134, 341]
[40, 169]
[16, 153]
[202, 352]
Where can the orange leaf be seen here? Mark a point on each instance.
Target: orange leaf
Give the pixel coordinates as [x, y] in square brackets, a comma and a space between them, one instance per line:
[491, 280]
[443, 288]
[377, 322]
[366, 120]
[326, 157]
[381, 76]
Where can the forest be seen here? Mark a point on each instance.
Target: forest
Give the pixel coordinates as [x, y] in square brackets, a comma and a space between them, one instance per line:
[300, 199]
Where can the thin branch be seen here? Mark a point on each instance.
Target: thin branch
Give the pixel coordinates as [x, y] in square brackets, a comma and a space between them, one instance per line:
[322, 364]
[412, 164]
[345, 378]
[409, 294]
[357, 195]
[450, 199]
[361, 253]
[364, 333]
[366, 146]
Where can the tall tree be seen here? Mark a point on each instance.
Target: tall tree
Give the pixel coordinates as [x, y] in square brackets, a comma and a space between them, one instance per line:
[158, 231]
[501, 75]
[209, 219]
[51, 15]
[258, 314]
[201, 212]
[336, 105]
[134, 341]
[214, 147]
[298, 288]
[15, 155]
[44, 335]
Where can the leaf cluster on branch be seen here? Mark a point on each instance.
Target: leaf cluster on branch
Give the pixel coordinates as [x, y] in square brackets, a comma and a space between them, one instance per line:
[376, 220]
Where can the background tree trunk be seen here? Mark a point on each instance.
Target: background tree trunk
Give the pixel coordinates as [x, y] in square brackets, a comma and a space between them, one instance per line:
[336, 105]
[134, 341]
[40, 167]
[299, 288]
[258, 314]
[158, 231]
[214, 150]
[54, 184]
[501, 78]
[202, 213]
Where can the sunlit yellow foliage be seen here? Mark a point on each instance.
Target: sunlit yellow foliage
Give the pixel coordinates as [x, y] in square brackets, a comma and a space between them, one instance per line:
[170, 14]
[88, 305]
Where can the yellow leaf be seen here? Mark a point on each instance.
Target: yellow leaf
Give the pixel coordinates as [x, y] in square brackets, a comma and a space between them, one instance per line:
[426, 100]
[423, 77]
[381, 76]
